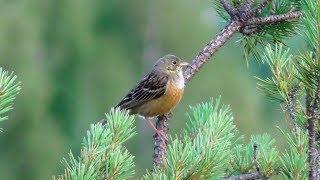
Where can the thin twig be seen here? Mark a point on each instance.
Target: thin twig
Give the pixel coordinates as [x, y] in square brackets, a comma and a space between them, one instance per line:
[254, 175]
[255, 162]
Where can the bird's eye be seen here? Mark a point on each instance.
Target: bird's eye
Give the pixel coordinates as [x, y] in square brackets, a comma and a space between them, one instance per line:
[174, 62]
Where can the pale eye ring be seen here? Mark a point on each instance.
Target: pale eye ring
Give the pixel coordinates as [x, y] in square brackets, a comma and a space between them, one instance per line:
[174, 62]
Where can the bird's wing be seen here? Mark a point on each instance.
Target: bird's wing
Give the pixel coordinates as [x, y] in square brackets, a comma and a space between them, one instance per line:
[152, 86]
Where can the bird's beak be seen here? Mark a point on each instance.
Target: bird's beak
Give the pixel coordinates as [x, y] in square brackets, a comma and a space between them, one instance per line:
[184, 64]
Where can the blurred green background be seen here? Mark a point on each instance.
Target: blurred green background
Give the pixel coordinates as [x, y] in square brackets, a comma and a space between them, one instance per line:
[78, 58]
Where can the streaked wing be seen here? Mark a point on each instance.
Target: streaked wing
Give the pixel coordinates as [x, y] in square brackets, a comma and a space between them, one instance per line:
[150, 87]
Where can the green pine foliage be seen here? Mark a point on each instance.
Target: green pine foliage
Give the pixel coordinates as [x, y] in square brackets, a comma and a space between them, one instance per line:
[9, 89]
[300, 71]
[204, 149]
[294, 164]
[280, 63]
[103, 155]
[267, 157]
[210, 148]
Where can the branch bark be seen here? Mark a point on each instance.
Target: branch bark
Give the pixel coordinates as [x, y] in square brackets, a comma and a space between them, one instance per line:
[274, 18]
[160, 145]
[228, 7]
[251, 176]
[291, 108]
[312, 112]
[238, 22]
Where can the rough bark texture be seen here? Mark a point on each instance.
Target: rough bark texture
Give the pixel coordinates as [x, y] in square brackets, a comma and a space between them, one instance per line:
[160, 145]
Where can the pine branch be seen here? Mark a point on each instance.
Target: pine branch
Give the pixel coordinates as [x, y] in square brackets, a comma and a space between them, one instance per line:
[251, 176]
[160, 147]
[312, 112]
[238, 21]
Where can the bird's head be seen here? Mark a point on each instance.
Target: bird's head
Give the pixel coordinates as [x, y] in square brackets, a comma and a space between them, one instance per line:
[170, 63]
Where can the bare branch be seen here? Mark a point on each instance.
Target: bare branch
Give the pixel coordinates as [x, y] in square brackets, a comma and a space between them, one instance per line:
[274, 18]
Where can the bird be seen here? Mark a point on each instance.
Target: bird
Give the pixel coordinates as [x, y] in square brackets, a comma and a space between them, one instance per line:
[158, 92]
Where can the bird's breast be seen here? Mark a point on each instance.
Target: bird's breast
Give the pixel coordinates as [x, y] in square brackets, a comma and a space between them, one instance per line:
[165, 103]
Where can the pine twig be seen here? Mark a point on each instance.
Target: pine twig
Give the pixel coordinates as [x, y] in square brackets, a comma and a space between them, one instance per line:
[274, 18]
[239, 20]
[228, 7]
[249, 30]
[258, 9]
[247, 5]
[251, 176]
[255, 162]
[291, 108]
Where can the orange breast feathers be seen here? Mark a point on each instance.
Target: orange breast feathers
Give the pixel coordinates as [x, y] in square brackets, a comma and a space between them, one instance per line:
[165, 103]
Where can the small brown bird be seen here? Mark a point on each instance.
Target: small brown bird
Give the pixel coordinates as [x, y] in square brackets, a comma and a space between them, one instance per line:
[158, 92]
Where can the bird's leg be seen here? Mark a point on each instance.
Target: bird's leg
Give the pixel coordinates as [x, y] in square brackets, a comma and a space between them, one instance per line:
[151, 125]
